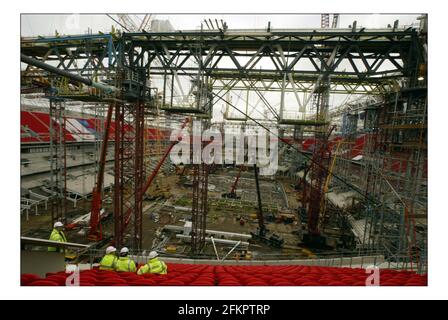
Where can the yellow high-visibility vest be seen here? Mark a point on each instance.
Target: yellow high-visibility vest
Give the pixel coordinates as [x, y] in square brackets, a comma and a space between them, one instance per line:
[124, 264]
[154, 266]
[57, 236]
[108, 262]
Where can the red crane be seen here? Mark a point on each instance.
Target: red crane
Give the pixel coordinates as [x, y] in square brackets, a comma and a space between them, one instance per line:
[96, 232]
[150, 179]
[314, 189]
[232, 193]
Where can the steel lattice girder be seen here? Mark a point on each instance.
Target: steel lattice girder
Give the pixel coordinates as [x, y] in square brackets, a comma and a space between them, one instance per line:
[366, 52]
[87, 55]
[361, 56]
[367, 87]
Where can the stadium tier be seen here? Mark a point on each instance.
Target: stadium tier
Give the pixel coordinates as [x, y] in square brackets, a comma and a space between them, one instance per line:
[35, 128]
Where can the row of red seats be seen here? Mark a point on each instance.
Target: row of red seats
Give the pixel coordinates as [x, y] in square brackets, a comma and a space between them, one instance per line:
[206, 275]
[39, 123]
[312, 276]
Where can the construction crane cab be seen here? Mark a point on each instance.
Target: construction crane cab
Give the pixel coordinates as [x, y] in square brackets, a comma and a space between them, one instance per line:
[231, 195]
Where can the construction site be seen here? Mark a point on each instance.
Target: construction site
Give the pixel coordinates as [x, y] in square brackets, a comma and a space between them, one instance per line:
[323, 172]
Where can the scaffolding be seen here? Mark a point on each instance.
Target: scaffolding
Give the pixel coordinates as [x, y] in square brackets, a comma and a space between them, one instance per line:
[401, 173]
[58, 160]
[391, 172]
[129, 122]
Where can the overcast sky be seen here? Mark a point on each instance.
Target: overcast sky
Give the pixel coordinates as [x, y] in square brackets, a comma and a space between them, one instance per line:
[37, 24]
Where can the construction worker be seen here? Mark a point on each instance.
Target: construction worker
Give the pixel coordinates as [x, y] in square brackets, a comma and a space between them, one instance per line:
[124, 263]
[109, 261]
[57, 235]
[153, 265]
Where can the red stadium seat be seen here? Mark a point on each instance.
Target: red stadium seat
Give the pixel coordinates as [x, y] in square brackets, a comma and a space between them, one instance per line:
[172, 283]
[110, 282]
[142, 282]
[336, 284]
[415, 284]
[60, 280]
[230, 284]
[185, 279]
[44, 283]
[206, 275]
[310, 284]
[257, 283]
[25, 278]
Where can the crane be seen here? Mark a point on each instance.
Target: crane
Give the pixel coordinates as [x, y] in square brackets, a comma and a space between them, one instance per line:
[130, 24]
[150, 179]
[95, 231]
[232, 193]
[325, 20]
[335, 22]
[263, 233]
[261, 226]
[314, 179]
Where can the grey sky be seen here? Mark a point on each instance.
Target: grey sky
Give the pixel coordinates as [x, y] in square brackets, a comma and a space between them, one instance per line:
[38, 24]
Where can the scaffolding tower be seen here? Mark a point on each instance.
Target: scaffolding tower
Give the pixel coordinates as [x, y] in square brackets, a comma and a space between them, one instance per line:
[58, 159]
[396, 177]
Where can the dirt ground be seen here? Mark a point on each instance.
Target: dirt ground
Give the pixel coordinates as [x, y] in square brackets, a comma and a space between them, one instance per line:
[224, 214]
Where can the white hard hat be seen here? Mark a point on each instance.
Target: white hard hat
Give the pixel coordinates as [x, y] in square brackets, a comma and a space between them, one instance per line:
[110, 249]
[124, 250]
[58, 224]
[153, 254]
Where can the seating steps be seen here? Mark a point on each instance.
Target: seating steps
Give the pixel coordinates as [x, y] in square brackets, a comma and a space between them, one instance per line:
[208, 275]
[77, 129]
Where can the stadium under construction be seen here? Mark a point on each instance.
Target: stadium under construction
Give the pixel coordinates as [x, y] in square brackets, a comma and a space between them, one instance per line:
[266, 156]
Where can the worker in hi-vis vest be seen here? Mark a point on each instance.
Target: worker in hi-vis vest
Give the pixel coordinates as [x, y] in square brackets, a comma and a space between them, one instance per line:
[124, 263]
[109, 261]
[57, 235]
[154, 265]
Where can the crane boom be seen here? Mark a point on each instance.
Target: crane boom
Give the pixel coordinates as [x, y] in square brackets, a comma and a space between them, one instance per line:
[237, 179]
[335, 21]
[95, 232]
[260, 218]
[145, 22]
[150, 179]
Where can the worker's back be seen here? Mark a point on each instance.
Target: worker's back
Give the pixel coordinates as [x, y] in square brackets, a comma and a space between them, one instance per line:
[58, 236]
[108, 262]
[125, 264]
[154, 266]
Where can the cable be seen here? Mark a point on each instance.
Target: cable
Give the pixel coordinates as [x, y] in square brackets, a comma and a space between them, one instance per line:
[118, 22]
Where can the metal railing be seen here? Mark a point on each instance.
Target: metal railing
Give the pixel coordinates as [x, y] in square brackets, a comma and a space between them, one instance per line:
[349, 259]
